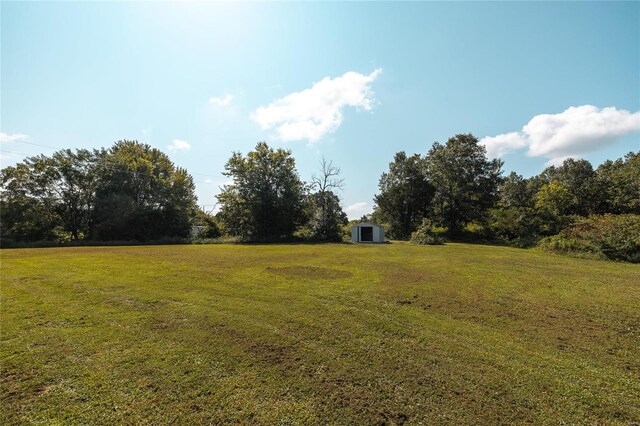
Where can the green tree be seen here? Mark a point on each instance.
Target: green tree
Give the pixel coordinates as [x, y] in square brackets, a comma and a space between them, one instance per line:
[25, 217]
[326, 218]
[515, 218]
[579, 179]
[516, 191]
[266, 201]
[404, 197]
[56, 192]
[207, 224]
[75, 181]
[465, 181]
[620, 184]
[142, 195]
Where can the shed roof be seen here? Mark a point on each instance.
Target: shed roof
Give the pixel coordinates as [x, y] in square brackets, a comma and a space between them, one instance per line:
[366, 224]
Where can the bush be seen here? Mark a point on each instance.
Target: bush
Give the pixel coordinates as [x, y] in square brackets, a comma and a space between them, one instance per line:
[428, 234]
[207, 226]
[516, 226]
[220, 240]
[615, 237]
[573, 246]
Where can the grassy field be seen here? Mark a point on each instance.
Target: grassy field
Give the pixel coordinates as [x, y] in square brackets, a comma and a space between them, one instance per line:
[316, 334]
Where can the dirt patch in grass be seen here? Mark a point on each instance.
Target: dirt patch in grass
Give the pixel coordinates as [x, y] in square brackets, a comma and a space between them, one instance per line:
[273, 353]
[312, 272]
[456, 334]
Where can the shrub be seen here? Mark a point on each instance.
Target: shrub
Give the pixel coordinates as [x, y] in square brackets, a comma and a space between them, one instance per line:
[516, 226]
[574, 246]
[208, 226]
[428, 234]
[615, 237]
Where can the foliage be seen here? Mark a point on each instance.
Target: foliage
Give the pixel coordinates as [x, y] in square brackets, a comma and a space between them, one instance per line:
[208, 224]
[515, 219]
[326, 217]
[266, 201]
[572, 188]
[45, 197]
[133, 192]
[554, 199]
[518, 226]
[428, 234]
[142, 195]
[615, 237]
[405, 195]
[620, 183]
[129, 192]
[465, 182]
[516, 191]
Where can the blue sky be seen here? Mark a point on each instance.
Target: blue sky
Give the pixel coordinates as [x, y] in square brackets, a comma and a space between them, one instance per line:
[353, 82]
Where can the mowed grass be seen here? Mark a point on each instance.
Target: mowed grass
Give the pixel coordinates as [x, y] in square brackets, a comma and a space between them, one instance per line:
[318, 334]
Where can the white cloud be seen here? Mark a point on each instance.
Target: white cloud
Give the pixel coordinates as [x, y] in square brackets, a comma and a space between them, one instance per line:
[224, 101]
[315, 112]
[571, 133]
[5, 137]
[499, 145]
[179, 145]
[356, 210]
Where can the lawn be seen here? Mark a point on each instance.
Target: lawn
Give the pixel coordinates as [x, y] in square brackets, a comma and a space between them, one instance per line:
[317, 334]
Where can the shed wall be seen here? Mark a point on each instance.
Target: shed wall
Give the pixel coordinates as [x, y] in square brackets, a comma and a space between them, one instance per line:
[378, 233]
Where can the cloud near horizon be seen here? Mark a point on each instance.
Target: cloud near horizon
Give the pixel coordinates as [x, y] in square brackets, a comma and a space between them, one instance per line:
[6, 137]
[179, 145]
[357, 209]
[572, 133]
[318, 111]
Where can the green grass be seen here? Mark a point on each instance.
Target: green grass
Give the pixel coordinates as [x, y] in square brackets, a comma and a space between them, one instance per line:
[317, 334]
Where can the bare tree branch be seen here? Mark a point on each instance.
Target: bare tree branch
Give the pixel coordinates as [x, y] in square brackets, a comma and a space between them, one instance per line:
[328, 179]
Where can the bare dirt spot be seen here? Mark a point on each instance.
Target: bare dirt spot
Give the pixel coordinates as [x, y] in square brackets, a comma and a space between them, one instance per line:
[311, 272]
[273, 353]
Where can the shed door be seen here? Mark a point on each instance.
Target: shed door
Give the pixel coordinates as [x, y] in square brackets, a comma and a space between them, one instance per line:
[366, 233]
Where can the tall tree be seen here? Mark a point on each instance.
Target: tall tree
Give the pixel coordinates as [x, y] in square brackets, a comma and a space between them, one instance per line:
[580, 180]
[405, 195]
[25, 217]
[465, 181]
[515, 217]
[266, 201]
[58, 191]
[75, 181]
[620, 183]
[326, 217]
[515, 191]
[142, 195]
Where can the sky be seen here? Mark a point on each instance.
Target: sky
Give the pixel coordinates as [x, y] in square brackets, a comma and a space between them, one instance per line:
[536, 82]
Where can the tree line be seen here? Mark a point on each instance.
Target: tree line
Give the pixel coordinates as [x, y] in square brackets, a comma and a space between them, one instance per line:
[456, 187]
[127, 192]
[455, 192]
[132, 191]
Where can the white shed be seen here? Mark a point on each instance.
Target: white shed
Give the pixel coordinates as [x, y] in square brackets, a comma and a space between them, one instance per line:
[367, 233]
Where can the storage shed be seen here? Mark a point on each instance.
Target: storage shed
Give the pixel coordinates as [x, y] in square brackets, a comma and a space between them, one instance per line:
[367, 233]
